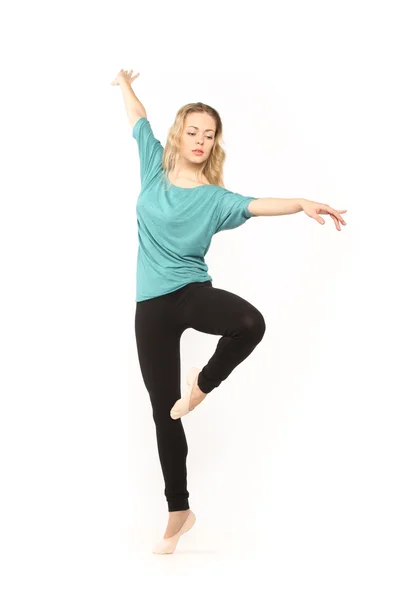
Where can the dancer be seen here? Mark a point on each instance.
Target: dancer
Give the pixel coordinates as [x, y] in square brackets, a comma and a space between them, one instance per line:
[181, 205]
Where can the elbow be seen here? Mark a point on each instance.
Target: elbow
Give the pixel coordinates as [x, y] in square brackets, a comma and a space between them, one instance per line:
[134, 117]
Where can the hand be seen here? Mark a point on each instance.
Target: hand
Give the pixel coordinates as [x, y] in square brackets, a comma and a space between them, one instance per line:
[314, 209]
[125, 76]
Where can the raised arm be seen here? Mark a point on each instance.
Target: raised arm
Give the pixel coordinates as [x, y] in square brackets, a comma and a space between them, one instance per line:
[134, 108]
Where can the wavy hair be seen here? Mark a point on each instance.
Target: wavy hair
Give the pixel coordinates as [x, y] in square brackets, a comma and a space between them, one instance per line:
[212, 169]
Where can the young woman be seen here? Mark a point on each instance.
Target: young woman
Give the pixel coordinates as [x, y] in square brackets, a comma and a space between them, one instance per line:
[182, 204]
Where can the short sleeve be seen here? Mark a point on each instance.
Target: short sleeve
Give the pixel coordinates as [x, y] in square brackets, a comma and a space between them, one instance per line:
[150, 150]
[233, 210]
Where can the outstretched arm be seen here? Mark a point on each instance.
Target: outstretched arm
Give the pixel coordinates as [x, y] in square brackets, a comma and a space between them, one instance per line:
[270, 207]
[286, 206]
[134, 108]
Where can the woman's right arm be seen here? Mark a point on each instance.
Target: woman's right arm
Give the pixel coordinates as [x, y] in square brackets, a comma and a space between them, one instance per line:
[134, 108]
[150, 148]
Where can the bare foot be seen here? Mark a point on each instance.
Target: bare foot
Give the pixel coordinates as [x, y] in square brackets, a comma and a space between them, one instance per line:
[175, 522]
[196, 396]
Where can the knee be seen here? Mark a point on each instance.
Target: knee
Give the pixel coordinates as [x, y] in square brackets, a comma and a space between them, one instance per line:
[254, 325]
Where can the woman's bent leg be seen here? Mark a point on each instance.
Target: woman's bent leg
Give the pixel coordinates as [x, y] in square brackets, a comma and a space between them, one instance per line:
[219, 312]
[158, 344]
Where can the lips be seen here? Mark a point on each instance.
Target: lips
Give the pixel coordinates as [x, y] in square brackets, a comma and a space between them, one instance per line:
[198, 151]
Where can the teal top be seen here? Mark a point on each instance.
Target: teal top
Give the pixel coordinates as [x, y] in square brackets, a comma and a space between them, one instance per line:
[175, 224]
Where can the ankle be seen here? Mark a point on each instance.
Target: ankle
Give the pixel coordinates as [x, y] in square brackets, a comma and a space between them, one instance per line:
[178, 512]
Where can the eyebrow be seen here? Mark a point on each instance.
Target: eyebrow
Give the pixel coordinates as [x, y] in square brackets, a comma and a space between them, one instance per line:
[204, 130]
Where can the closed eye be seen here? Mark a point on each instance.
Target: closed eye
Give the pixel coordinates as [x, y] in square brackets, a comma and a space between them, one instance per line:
[208, 136]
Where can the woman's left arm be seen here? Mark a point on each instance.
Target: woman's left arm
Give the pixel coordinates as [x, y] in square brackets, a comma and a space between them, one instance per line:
[270, 207]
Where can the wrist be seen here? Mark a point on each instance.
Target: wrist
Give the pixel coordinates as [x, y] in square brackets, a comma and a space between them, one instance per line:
[300, 203]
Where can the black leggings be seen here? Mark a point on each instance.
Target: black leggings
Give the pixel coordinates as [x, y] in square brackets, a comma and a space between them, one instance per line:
[159, 324]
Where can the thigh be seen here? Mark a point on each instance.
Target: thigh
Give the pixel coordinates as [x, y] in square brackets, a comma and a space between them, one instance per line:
[220, 312]
[158, 334]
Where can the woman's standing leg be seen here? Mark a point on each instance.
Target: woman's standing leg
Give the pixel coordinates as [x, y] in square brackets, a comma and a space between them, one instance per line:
[219, 312]
[158, 335]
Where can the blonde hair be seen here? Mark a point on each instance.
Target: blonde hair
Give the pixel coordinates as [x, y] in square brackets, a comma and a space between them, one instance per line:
[212, 169]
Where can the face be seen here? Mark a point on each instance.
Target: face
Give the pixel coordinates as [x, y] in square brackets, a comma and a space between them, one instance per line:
[198, 133]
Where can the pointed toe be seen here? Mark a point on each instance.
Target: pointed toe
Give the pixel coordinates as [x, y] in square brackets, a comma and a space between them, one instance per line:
[181, 406]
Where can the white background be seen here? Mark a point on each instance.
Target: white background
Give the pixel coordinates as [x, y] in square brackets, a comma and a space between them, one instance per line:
[293, 465]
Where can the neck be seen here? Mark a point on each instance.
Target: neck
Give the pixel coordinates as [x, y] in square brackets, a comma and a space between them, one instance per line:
[186, 169]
